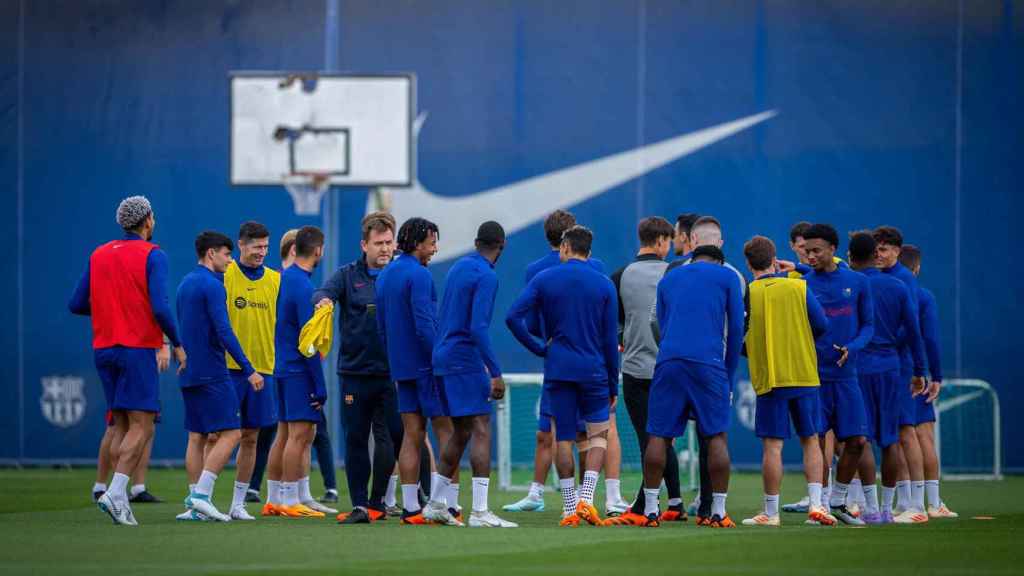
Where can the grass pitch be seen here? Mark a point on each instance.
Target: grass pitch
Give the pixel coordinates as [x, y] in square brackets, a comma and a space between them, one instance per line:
[50, 526]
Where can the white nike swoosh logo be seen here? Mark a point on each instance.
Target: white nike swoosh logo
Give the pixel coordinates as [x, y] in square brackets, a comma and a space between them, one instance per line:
[525, 202]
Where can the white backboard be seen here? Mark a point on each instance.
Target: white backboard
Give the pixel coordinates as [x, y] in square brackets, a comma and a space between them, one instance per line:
[358, 128]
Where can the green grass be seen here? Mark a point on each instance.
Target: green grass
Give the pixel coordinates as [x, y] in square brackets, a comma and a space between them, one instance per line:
[50, 526]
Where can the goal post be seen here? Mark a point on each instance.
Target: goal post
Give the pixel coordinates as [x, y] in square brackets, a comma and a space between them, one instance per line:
[516, 427]
[968, 429]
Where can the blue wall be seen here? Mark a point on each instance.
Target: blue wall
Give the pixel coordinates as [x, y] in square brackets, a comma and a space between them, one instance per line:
[126, 97]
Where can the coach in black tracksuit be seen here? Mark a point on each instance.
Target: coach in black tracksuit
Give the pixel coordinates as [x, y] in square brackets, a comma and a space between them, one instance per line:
[368, 394]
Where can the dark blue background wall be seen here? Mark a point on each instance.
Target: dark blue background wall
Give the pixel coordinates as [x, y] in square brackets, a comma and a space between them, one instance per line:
[118, 98]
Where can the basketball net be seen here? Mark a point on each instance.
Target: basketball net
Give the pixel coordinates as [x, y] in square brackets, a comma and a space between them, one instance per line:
[306, 190]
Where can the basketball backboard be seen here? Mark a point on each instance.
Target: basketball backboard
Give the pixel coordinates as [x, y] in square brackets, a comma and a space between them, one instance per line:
[356, 128]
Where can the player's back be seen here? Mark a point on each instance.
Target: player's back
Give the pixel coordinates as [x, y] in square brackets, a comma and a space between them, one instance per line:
[296, 291]
[407, 312]
[692, 311]
[892, 305]
[579, 312]
[455, 350]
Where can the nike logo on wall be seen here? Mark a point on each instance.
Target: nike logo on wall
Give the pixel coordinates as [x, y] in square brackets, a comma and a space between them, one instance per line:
[525, 202]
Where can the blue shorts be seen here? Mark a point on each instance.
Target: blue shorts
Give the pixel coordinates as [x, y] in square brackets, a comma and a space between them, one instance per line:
[842, 409]
[925, 410]
[544, 417]
[570, 400]
[259, 408]
[775, 409]
[211, 407]
[908, 404]
[882, 406]
[297, 391]
[421, 396]
[466, 394]
[130, 378]
[682, 390]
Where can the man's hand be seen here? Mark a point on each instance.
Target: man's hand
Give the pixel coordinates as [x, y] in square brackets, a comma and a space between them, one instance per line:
[256, 380]
[324, 302]
[163, 357]
[785, 265]
[844, 353]
[180, 358]
[317, 402]
[497, 388]
[611, 405]
[933, 391]
[918, 385]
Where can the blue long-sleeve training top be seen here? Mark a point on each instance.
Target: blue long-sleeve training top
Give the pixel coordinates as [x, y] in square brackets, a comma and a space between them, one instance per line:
[407, 317]
[699, 309]
[893, 317]
[580, 314]
[463, 342]
[907, 277]
[352, 288]
[294, 309]
[929, 316]
[846, 297]
[205, 329]
[156, 281]
[552, 258]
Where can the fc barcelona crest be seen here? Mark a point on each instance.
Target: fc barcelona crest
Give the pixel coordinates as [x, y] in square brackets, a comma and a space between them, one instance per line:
[63, 400]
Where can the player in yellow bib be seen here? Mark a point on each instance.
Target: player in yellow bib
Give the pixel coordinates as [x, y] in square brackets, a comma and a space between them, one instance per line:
[252, 290]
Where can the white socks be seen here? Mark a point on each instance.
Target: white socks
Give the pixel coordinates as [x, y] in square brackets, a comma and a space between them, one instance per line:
[856, 493]
[304, 494]
[439, 488]
[137, 489]
[651, 498]
[390, 496]
[814, 494]
[771, 504]
[931, 488]
[718, 504]
[99, 487]
[452, 495]
[917, 494]
[119, 486]
[480, 486]
[238, 497]
[205, 485]
[888, 495]
[871, 498]
[290, 493]
[589, 486]
[612, 490]
[838, 496]
[411, 497]
[536, 491]
[274, 491]
[569, 500]
[903, 497]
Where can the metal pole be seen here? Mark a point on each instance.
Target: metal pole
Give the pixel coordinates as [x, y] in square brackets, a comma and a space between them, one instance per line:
[21, 230]
[332, 36]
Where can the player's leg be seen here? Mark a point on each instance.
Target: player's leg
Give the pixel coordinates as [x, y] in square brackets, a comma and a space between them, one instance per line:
[414, 426]
[275, 470]
[911, 494]
[139, 494]
[194, 452]
[562, 398]
[264, 442]
[771, 479]
[213, 410]
[296, 452]
[357, 412]
[450, 454]
[387, 434]
[595, 406]
[709, 393]
[936, 507]
[325, 459]
[104, 462]
[704, 496]
[444, 429]
[851, 429]
[480, 461]
[870, 390]
[613, 502]
[217, 456]
[129, 452]
[245, 461]
[305, 492]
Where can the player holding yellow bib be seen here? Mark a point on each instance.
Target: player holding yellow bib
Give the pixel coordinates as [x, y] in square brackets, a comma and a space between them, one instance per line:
[252, 290]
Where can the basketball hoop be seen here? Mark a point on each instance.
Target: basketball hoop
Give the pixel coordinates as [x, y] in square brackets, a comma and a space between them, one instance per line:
[306, 190]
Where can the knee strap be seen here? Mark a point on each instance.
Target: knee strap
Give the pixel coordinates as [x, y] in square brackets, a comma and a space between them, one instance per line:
[597, 434]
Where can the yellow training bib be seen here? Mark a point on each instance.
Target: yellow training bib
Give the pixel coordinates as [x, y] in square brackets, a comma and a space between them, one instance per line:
[780, 344]
[252, 310]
